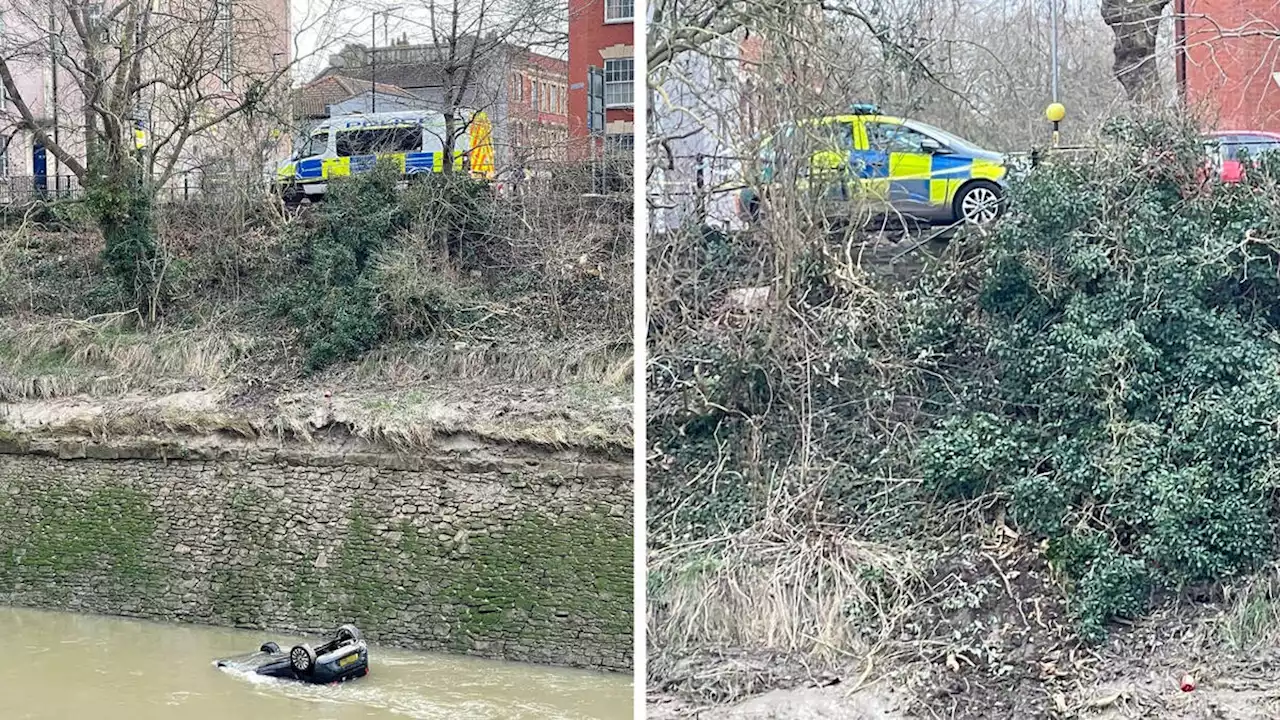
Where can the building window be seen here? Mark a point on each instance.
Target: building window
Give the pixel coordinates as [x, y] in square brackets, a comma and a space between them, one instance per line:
[533, 94]
[222, 19]
[620, 144]
[619, 82]
[619, 10]
[519, 81]
[4, 161]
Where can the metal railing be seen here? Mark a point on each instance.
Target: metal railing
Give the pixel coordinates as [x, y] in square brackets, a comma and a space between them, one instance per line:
[29, 189]
[23, 189]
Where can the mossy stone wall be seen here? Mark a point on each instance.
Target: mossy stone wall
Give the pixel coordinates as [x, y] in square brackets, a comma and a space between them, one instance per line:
[524, 559]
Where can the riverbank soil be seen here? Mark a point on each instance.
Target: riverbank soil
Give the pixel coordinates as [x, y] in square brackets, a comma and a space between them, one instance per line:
[987, 634]
[1029, 475]
[506, 329]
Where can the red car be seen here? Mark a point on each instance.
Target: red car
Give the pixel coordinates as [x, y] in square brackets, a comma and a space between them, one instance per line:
[1229, 149]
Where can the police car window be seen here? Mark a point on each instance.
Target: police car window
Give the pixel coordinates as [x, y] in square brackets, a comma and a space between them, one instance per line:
[890, 137]
[840, 134]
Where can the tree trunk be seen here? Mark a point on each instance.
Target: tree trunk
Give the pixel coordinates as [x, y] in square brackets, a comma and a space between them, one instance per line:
[450, 139]
[1136, 24]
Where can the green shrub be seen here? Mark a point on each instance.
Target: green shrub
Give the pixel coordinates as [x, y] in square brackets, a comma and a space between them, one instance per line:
[1039, 504]
[1203, 525]
[1113, 585]
[332, 300]
[1132, 334]
[123, 209]
[966, 456]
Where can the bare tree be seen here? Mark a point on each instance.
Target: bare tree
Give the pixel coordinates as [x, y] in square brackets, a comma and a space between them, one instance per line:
[469, 51]
[145, 84]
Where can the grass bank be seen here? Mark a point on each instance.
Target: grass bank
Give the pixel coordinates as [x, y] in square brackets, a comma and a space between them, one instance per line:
[404, 306]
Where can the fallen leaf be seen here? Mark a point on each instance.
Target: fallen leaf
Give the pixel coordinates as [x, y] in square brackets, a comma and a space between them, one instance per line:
[1105, 700]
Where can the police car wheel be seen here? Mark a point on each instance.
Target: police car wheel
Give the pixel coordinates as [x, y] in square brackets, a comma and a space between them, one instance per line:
[979, 203]
[752, 209]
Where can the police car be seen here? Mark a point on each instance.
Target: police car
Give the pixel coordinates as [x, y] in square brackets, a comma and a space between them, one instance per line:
[884, 164]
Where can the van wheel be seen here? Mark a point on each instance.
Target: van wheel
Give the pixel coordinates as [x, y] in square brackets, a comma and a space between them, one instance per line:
[979, 203]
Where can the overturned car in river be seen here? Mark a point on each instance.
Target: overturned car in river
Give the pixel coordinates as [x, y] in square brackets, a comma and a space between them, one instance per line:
[344, 657]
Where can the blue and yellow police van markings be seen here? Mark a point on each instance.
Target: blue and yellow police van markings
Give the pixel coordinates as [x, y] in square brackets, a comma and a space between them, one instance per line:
[410, 163]
[480, 154]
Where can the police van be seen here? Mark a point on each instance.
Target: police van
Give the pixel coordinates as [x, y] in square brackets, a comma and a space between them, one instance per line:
[414, 139]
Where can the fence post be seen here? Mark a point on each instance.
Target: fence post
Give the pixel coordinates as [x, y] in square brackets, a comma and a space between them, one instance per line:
[700, 184]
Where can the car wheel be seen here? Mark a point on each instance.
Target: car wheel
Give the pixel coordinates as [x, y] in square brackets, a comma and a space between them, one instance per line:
[979, 203]
[751, 207]
[302, 659]
[348, 632]
[269, 648]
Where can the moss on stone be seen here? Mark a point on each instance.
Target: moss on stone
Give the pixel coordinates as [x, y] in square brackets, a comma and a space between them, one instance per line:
[71, 538]
[99, 534]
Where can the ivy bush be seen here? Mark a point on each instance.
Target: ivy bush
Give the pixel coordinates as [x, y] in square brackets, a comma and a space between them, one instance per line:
[332, 298]
[1129, 310]
[375, 267]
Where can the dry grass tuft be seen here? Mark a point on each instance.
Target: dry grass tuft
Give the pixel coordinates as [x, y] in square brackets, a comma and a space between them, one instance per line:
[1251, 622]
[514, 362]
[105, 356]
[815, 592]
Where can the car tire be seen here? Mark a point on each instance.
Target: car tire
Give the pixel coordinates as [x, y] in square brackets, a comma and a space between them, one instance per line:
[269, 648]
[302, 659]
[979, 203]
[348, 632]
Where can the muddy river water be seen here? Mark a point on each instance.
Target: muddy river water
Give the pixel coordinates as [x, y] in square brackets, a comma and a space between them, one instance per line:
[62, 666]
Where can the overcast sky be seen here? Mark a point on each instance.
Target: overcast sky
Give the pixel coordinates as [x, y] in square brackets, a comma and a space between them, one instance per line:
[322, 27]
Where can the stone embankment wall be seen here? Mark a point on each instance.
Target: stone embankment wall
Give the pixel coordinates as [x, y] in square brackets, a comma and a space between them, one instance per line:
[505, 552]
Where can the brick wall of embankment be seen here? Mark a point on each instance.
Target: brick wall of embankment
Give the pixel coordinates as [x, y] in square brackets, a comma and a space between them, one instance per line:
[511, 553]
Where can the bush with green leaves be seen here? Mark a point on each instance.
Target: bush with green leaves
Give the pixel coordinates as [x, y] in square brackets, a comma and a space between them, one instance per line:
[369, 270]
[1129, 312]
[332, 299]
[123, 208]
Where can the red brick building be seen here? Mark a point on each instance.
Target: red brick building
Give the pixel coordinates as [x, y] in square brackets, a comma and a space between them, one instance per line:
[601, 35]
[1228, 62]
[538, 106]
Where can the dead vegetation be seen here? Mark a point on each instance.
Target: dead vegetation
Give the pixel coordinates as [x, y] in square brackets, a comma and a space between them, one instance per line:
[499, 313]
